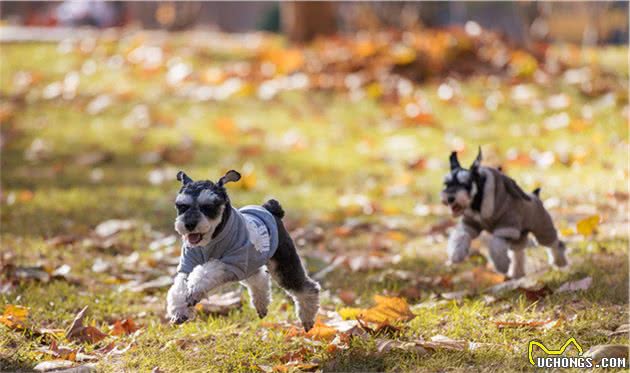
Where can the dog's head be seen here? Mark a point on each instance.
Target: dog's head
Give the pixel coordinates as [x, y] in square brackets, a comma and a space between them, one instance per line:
[201, 206]
[460, 185]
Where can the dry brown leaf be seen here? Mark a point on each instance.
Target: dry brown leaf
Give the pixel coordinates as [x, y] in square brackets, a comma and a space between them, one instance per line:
[582, 284]
[124, 327]
[77, 331]
[347, 296]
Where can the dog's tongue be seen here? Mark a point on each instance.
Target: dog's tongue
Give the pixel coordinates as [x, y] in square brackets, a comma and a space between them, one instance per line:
[194, 238]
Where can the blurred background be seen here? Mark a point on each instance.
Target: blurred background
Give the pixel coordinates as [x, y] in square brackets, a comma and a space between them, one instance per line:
[578, 22]
[346, 113]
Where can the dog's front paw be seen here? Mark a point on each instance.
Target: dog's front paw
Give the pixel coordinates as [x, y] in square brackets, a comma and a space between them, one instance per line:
[193, 297]
[457, 256]
[179, 314]
[178, 319]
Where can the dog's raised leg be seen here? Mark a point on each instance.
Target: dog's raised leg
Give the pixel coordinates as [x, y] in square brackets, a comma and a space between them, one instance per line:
[176, 305]
[557, 254]
[259, 287]
[206, 277]
[287, 270]
[459, 243]
[499, 248]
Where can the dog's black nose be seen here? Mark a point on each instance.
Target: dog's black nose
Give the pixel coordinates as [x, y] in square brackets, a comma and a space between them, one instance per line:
[450, 199]
[190, 226]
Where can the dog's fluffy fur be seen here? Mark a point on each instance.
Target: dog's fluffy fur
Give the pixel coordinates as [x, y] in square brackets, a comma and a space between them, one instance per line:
[486, 199]
[284, 266]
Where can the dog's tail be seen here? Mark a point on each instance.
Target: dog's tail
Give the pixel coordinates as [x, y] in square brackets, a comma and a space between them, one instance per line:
[536, 192]
[274, 208]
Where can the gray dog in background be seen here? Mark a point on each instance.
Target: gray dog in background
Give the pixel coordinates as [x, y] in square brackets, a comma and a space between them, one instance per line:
[487, 199]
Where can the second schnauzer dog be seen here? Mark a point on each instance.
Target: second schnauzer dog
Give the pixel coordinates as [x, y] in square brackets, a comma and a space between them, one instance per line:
[223, 244]
[489, 200]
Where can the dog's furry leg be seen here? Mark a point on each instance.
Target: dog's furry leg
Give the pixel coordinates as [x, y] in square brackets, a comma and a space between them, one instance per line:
[176, 306]
[499, 248]
[557, 254]
[287, 270]
[517, 263]
[206, 277]
[458, 244]
[259, 288]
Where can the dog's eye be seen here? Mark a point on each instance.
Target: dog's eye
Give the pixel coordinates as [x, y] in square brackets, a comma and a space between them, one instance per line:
[182, 207]
[208, 209]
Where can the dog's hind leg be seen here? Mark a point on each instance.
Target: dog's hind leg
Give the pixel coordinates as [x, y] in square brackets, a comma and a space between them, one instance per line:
[287, 270]
[259, 288]
[499, 248]
[557, 254]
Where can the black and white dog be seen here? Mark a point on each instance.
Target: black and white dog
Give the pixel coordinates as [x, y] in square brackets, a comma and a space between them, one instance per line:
[223, 244]
[489, 200]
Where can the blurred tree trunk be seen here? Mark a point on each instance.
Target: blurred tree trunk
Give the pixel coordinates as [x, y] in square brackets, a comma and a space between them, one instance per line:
[303, 21]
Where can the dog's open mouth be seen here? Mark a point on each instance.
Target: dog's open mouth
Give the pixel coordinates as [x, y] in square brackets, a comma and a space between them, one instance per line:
[194, 238]
[456, 209]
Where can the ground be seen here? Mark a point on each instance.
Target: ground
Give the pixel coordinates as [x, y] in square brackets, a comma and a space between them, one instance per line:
[89, 136]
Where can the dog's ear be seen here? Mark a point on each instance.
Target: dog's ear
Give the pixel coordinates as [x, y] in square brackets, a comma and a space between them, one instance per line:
[181, 176]
[475, 165]
[454, 161]
[229, 177]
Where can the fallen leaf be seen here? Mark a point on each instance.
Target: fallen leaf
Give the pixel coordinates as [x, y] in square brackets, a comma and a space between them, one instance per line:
[321, 331]
[14, 316]
[77, 331]
[456, 295]
[387, 309]
[588, 226]
[295, 366]
[582, 284]
[110, 227]
[621, 330]
[124, 327]
[441, 342]
[49, 365]
[347, 296]
[149, 286]
[387, 345]
[220, 304]
[547, 324]
[607, 351]
[60, 352]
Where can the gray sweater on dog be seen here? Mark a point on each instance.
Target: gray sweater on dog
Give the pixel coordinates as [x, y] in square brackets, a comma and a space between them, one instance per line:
[508, 212]
[247, 241]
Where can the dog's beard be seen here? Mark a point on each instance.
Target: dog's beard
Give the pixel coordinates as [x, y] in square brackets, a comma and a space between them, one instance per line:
[460, 204]
[202, 234]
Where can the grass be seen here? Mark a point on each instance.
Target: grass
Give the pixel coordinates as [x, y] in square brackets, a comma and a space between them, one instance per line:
[308, 149]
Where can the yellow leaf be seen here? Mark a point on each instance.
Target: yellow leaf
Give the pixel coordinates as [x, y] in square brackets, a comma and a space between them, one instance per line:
[321, 331]
[14, 316]
[349, 313]
[374, 90]
[588, 226]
